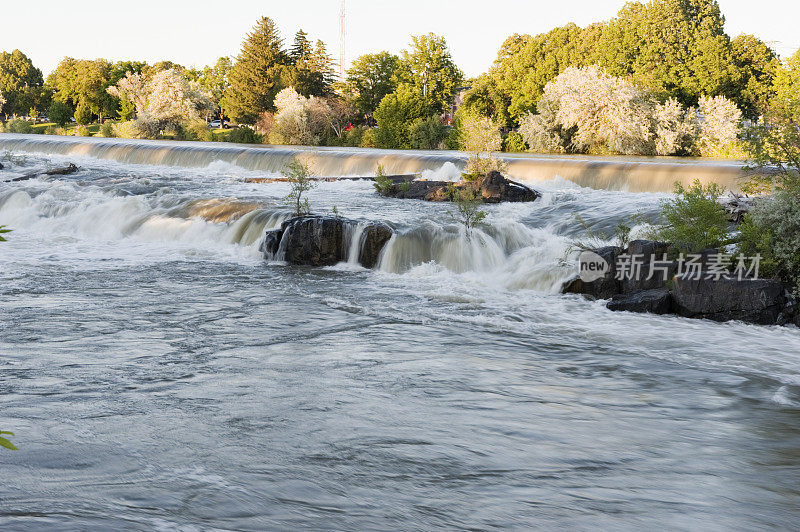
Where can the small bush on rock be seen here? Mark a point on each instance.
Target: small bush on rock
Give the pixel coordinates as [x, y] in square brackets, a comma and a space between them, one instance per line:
[772, 229]
[694, 220]
[298, 175]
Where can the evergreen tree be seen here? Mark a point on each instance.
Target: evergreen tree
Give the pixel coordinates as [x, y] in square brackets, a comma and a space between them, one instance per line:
[255, 79]
[323, 66]
[301, 49]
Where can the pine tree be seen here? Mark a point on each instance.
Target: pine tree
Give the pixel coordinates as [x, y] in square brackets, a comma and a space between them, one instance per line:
[256, 77]
[322, 64]
[301, 49]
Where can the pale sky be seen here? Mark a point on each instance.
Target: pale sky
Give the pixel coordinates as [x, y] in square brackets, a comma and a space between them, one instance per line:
[195, 33]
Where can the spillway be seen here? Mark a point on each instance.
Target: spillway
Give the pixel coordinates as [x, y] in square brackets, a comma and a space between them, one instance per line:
[632, 174]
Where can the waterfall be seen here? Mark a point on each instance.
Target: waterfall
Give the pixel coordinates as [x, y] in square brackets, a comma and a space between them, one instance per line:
[353, 242]
[634, 174]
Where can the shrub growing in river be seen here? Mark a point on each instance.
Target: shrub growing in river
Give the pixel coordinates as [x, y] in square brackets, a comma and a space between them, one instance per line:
[383, 184]
[772, 230]
[694, 219]
[468, 206]
[298, 174]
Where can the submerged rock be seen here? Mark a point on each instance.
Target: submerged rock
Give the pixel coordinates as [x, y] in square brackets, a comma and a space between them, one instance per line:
[760, 301]
[656, 301]
[492, 188]
[320, 241]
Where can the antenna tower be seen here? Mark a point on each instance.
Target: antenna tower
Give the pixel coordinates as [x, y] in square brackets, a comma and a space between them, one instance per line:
[342, 38]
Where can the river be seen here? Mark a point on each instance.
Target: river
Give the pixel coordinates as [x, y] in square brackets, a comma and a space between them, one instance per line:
[159, 374]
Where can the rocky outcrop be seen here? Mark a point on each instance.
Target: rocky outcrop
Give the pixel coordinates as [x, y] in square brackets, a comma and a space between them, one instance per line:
[492, 188]
[657, 301]
[603, 288]
[698, 294]
[373, 239]
[760, 301]
[320, 241]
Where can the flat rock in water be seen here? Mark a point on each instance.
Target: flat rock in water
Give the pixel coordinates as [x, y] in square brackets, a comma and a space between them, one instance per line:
[656, 301]
[760, 301]
[492, 188]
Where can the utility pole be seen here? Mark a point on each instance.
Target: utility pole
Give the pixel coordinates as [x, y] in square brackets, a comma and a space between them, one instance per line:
[342, 38]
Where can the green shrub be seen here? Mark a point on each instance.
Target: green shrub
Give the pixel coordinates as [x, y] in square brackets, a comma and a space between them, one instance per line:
[244, 135]
[194, 130]
[368, 139]
[694, 219]
[772, 230]
[59, 113]
[383, 184]
[83, 113]
[427, 133]
[126, 130]
[18, 125]
[514, 143]
[106, 129]
[468, 206]
[81, 131]
[298, 175]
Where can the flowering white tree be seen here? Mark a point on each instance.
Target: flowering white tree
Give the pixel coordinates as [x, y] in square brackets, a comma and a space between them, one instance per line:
[163, 100]
[719, 121]
[134, 88]
[587, 110]
[676, 128]
[301, 120]
[291, 121]
[592, 111]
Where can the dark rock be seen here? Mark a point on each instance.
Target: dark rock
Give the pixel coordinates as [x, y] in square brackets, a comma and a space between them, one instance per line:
[657, 301]
[1, 166]
[755, 301]
[319, 241]
[312, 240]
[272, 241]
[71, 169]
[602, 288]
[653, 261]
[374, 238]
[493, 188]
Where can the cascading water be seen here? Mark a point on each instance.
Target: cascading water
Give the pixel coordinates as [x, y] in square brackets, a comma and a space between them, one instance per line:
[635, 174]
[138, 319]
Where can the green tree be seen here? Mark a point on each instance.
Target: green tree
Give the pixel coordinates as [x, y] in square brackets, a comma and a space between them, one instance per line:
[298, 175]
[426, 133]
[255, 79]
[757, 67]
[395, 115]
[21, 84]
[83, 113]
[369, 79]
[216, 80]
[674, 48]
[76, 81]
[59, 112]
[429, 68]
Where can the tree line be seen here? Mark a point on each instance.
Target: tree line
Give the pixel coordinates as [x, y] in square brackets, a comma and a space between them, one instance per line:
[673, 54]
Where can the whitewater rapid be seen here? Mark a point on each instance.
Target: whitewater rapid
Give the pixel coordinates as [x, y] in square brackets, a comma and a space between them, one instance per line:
[158, 372]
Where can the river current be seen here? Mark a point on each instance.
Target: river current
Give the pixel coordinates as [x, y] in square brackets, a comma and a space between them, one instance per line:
[159, 374]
